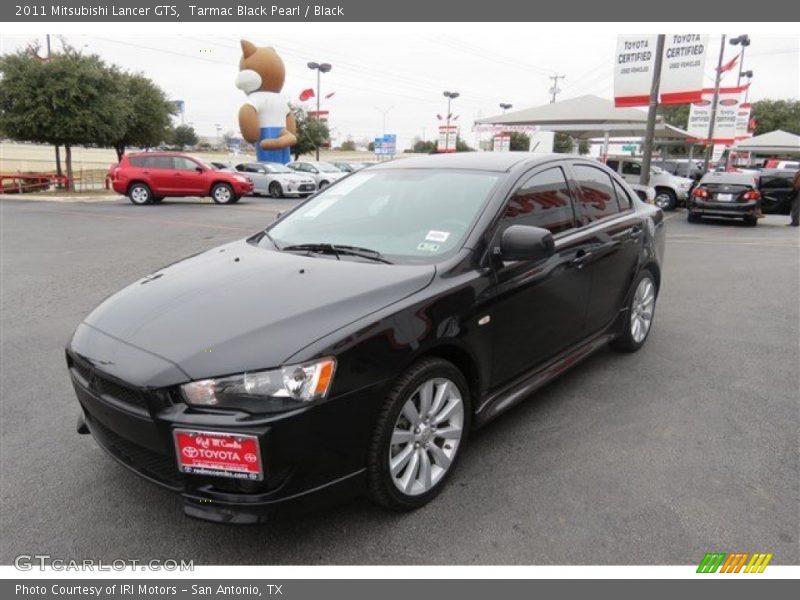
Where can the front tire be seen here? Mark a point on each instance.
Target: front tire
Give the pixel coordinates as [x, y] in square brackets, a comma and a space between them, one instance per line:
[275, 190]
[419, 436]
[222, 193]
[140, 194]
[692, 218]
[639, 317]
[666, 199]
[751, 221]
[322, 185]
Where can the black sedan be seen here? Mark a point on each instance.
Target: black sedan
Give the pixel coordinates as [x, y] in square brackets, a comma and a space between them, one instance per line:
[728, 195]
[353, 344]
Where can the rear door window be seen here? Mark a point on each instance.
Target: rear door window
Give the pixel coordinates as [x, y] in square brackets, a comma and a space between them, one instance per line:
[137, 161]
[623, 198]
[631, 168]
[596, 192]
[159, 162]
[543, 200]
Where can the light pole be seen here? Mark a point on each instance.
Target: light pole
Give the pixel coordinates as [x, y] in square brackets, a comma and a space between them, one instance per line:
[384, 112]
[749, 75]
[505, 106]
[743, 41]
[319, 68]
[450, 97]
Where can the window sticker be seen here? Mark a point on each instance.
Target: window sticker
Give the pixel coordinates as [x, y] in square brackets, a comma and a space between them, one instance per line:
[428, 247]
[437, 236]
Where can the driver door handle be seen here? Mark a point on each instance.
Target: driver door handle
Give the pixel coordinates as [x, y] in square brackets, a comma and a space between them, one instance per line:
[580, 258]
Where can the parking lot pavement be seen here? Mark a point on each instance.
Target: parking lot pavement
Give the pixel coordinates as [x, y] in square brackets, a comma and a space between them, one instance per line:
[687, 446]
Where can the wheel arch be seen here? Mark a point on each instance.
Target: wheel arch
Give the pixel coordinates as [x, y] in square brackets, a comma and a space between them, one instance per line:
[463, 361]
[217, 182]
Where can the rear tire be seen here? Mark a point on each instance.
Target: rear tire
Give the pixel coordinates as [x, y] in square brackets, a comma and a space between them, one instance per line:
[408, 464]
[638, 319]
[692, 218]
[140, 194]
[222, 193]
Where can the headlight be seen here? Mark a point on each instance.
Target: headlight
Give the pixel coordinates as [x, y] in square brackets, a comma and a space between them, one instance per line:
[241, 178]
[277, 390]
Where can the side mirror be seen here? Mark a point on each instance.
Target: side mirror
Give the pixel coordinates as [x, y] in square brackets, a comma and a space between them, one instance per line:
[524, 242]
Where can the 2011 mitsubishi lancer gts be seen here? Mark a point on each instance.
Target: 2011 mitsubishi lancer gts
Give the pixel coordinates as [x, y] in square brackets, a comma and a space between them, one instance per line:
[354, 343]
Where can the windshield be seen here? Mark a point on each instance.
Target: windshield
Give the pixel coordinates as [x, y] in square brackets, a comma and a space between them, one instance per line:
[656, 170]
[327, 168]
[414, 213]
[276, 168]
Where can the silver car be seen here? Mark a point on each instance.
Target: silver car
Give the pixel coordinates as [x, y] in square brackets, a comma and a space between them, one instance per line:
[276, 180]
[324, 173]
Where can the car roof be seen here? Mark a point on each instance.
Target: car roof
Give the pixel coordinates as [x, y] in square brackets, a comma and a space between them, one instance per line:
[479, 161]
[785, 172]
[159, 153]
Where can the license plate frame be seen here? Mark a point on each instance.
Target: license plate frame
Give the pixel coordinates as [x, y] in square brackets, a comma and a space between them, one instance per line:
[725, 197]
[218, 454]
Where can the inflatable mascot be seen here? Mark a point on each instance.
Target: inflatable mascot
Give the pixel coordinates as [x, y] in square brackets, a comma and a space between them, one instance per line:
[265, 119]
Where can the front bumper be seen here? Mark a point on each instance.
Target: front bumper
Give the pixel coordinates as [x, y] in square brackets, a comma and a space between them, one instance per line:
[736, 210]
[310, 456]
[243, 189]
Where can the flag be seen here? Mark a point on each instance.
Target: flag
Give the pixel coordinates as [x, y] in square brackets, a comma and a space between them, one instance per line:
[329, 96]
[306, 94]
[439, 117]
[455, 118]
[729, 65]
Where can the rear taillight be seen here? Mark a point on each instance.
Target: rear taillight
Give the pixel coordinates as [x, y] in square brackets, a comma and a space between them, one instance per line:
[700, 193]
[752, 195]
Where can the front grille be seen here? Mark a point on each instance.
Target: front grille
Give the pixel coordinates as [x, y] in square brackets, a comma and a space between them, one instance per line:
[151, 464]
[102, 385]
[306, 187]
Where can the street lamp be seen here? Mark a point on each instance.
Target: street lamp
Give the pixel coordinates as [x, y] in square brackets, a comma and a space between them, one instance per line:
[743, 41]
[505, 106]
[384, 112]
[319, 68]
[450, 97]
[749, 75]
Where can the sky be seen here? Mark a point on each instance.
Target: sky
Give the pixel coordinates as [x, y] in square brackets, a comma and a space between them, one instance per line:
[403, 74]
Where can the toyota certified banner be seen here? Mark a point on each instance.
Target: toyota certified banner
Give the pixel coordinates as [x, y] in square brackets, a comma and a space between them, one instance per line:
[727, 116]
[682, 69]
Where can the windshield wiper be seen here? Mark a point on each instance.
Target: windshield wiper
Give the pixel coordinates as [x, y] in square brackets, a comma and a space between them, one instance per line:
[337, 249]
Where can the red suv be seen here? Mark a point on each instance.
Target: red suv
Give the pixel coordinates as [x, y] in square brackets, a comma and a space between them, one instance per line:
[148, 177]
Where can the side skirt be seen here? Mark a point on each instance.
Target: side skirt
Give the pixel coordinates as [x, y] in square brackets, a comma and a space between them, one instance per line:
[518, 390]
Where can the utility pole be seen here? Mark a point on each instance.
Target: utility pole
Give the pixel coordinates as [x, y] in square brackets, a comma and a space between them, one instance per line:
[450, 97]
[644, 178]
[554, 90]
[710, 149]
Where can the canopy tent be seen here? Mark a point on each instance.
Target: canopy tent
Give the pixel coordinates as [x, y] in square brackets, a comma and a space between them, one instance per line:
[587, 117]
[775, 142]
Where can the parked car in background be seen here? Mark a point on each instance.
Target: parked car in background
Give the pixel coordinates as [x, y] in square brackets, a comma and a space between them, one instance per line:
[670, 189]
[278, 180]
[729, 195]
[147, 177]
[776, 163]
[323, 173]
[692, 169]
[776, 190]
[354, 344]
[347, 166]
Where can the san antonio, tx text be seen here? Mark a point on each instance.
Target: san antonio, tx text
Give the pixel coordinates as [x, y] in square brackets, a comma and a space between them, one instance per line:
[130, 589]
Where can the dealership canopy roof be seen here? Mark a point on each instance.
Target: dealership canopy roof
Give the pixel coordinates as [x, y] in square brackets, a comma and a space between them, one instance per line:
[774, 142]
[586, 117]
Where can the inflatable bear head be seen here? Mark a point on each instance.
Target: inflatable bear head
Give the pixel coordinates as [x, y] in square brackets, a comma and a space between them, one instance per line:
[260, 69]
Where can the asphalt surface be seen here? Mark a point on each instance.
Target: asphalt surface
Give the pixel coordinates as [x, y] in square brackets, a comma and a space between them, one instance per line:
[688, 446]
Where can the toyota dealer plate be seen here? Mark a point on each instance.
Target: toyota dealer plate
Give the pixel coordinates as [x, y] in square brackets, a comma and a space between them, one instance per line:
[725, 197]
[218, 454]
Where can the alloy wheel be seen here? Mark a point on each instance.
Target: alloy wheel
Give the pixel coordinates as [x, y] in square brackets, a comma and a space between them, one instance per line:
[222, 194]
[140, 195]
[426, 436]
[644, 300]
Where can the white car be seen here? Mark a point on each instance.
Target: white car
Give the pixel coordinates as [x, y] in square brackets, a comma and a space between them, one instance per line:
[324, 173]
[670, 189]
[277, 180]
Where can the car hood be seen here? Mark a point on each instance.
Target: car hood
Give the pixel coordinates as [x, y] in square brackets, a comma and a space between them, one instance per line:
[240, 307]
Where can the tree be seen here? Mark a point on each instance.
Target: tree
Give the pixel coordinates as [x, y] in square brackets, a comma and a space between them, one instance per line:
[776, 114]
[424, 146]
[563, 143]
[68, 100]
[184, 135]
[676, 115]
[584, 147]
[311, 133]
[147, 114]
[348, 146]
[520, 142]
[462, 146]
